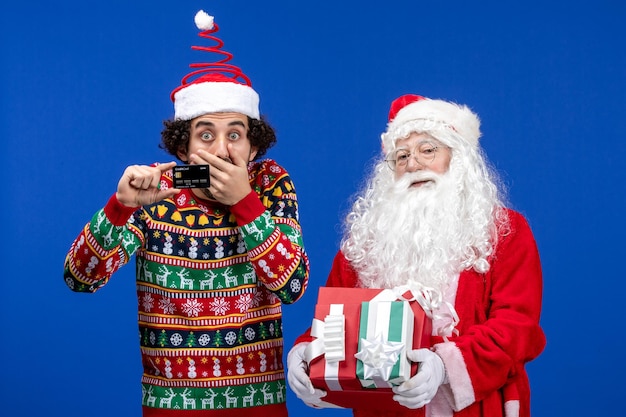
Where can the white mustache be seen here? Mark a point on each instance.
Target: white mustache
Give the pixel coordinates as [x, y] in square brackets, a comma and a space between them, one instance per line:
[412, 177]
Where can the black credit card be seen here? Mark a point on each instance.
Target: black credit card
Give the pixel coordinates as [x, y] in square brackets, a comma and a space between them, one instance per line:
[191, 176]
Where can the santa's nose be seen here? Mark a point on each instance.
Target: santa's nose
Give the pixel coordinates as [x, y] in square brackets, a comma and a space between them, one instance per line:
[413, 165]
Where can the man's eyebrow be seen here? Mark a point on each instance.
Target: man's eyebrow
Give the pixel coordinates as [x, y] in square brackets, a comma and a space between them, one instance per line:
[237, 123]
[211, 124]
[204, 123]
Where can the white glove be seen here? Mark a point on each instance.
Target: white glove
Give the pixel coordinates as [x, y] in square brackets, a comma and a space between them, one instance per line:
[420, 390]
[298, 378]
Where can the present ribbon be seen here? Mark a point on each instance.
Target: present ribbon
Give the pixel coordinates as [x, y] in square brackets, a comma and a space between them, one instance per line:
[379, 357]
[334, 338]
[330, 336]
[331, 342]
[431, 302]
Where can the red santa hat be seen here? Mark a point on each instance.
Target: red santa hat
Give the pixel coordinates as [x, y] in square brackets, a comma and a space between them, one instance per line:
[410, 113]
[214, 87]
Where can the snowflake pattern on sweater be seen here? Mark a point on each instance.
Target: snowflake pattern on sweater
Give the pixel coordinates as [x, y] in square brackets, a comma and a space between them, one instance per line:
[210, 285]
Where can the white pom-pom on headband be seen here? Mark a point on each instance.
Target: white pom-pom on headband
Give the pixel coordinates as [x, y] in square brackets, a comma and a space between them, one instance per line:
[203, 20]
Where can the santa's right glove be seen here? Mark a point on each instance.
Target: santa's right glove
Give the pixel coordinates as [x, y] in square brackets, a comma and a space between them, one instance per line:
[420, 389]
[298, 378]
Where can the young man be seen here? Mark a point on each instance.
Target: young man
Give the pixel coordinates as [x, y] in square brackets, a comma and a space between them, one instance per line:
[214, 264]
[432, 218]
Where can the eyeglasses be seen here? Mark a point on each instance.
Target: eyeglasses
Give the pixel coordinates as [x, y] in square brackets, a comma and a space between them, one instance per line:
[424, 154]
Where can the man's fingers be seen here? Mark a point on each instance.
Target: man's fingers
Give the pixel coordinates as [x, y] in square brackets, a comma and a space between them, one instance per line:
[167, 166]
[147, 177]
[236, 158]
[139, 185]
[170, 192]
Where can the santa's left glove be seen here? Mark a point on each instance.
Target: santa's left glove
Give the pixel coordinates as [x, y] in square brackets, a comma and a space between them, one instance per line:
[420, 390]
[298, 377]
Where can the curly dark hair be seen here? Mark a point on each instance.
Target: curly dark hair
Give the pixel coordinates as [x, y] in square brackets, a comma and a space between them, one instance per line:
[175, 136]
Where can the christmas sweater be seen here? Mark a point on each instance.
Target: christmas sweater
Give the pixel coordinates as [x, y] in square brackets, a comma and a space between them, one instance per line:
[210, 283]
[498, 333]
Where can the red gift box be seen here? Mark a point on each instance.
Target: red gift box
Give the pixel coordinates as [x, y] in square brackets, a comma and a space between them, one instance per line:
[333, 369]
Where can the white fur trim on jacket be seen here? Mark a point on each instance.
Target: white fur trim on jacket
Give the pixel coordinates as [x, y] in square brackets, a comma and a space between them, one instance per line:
[459, 390]
[511, 408]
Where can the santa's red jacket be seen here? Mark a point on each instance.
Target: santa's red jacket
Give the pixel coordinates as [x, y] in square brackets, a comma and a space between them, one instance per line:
[499, 332]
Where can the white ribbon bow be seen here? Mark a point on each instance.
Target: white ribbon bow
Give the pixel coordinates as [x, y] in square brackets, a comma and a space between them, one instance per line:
[379, 357]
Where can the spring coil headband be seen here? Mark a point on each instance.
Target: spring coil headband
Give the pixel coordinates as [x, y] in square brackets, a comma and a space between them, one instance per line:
[214, 87]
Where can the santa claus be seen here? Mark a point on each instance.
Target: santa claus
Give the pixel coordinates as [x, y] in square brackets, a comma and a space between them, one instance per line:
[432, 217]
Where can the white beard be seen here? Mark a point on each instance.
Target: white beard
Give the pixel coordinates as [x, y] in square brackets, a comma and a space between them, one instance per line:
[419, 236]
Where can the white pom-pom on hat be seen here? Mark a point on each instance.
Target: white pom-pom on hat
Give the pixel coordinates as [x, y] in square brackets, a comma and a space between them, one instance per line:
[203, 20]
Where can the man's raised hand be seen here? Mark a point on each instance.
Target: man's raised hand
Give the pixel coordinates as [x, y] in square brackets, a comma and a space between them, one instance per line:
[139, 185]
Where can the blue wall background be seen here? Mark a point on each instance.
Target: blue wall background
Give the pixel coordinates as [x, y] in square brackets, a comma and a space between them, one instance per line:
[85, 87]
